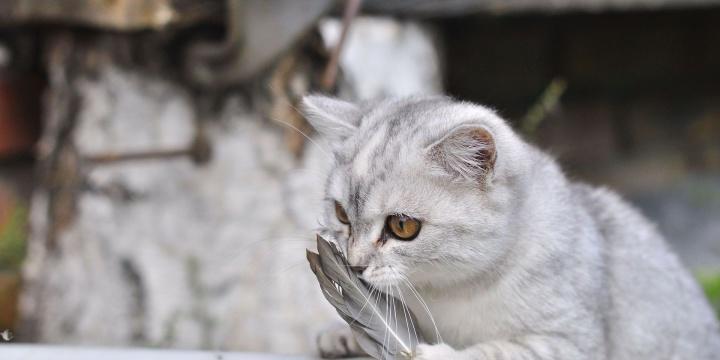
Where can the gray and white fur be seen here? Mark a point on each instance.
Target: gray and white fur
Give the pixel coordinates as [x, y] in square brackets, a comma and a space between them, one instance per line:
[513, 260]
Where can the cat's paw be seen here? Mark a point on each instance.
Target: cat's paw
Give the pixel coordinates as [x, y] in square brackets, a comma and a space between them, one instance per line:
[338, 342]
[435, 352]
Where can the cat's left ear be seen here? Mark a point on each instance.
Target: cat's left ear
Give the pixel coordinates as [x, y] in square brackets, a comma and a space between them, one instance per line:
[333, 118]
[467, 152]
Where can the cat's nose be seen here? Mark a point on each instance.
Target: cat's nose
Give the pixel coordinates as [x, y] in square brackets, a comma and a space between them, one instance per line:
[358, 268]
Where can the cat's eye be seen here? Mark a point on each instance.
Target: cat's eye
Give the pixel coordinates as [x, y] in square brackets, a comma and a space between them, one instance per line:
[341, 214]
[403, 227]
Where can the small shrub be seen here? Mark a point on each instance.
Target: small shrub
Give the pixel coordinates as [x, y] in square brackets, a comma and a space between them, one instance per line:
[711, 285]
[13, 233]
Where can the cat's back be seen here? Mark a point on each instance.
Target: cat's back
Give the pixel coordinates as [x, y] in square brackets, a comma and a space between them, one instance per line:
[656, 309]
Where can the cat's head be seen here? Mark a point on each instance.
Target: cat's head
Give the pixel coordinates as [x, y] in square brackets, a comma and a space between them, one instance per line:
[420, 188]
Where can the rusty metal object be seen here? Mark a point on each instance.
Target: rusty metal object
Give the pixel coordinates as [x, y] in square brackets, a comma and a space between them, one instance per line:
[257, 33]
[20, 96]
[296, 74]
[329, 77]
[284, 101]
[58, 164]
[200, 152]
[122, 15]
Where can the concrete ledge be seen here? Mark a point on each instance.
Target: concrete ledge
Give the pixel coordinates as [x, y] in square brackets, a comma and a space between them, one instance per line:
[44, 352]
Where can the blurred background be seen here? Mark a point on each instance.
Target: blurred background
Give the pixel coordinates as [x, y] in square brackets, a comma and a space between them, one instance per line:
[157, 188]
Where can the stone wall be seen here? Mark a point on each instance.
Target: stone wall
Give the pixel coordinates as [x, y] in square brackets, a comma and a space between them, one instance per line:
[172, 217]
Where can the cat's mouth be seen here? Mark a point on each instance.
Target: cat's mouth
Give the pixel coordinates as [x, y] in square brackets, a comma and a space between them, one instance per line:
[380, 277]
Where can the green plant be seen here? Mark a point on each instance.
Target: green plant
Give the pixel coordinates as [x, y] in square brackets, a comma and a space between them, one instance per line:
[13, 234]
[711, 284]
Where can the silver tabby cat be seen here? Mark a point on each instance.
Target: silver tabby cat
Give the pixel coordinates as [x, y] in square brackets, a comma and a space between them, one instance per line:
[512, 259]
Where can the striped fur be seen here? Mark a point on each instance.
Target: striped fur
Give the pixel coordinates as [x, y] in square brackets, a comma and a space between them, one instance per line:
[513, 260]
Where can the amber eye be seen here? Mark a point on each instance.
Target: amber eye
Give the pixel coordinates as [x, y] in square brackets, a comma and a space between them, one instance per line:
[341, 214]
[403, 227]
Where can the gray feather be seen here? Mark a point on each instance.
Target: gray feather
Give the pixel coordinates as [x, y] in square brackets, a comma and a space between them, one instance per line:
[380, 324]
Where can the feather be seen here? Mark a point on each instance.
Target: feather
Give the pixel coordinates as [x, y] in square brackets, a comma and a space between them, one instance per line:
[381, 324]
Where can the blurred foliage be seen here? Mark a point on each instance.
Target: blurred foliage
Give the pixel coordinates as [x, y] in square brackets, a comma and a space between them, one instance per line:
[13, 233]
[547, 103]
[711, 284]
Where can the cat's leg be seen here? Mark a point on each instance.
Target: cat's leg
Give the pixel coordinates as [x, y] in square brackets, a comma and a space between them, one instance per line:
[338, 341]
[528, 347]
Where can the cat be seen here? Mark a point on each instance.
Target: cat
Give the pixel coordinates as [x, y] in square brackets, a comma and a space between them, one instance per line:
[512, 260]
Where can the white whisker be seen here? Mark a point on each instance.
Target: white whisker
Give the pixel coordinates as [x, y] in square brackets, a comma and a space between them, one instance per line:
[324, 151]
[408, 318]
[425, 307]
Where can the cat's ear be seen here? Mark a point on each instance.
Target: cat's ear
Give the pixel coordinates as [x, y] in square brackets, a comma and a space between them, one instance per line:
[333, 118]
[466, 152]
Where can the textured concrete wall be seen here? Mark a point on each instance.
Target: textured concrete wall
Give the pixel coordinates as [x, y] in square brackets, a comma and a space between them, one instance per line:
[168, 252]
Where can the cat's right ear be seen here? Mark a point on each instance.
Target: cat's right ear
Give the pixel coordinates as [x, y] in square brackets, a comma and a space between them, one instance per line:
[466, 152]
[333, 118]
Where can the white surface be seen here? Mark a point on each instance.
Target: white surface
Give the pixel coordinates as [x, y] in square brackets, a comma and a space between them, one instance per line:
[208, 256]
[41, 352]
[386, 57]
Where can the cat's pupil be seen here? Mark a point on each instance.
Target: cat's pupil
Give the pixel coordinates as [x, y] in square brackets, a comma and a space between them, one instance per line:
[341, 214]
[403, 227]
